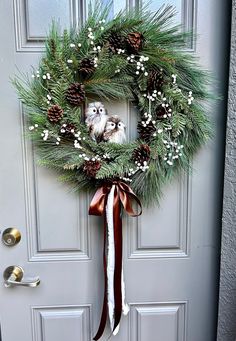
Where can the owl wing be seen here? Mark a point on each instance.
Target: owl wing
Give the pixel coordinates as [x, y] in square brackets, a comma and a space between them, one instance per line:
[88, 122]
[107, 135]
[91, 132]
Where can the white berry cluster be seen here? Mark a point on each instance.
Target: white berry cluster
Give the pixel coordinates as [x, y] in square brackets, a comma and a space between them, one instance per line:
[139, 63]
[96, 158]
[77, 144]
[72, 45]
[177, 89]
[49, 98]
[117, 70]
[148, 117]
[174, 77]
[106, 156]
[86, 158]
[97, 48]
[37, 74]
[78, 138]
[152, 97]
[132, 171]
[173, 153]
[166, 105]
[46, 76]
[58, 140]
[95, 61]
[143, 167]
[190, 97]
[45, 134]
[126, 179]
[91, 35]
[120, 51]
[131, 58]
[101, 22]
[33, 127]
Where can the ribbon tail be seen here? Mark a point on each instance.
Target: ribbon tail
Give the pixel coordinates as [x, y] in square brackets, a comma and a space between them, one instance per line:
[125, 306]
[108, 201]
[118, 260]
[110, 256]
[103, 319]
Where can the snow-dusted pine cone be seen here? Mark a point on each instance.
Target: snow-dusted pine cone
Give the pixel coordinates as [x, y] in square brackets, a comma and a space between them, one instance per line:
[141, 154]
[86, 67]
[134, 41]
[155, 81]
[67, 130]
[115, 42]
[146, 132]
[91, 168]
[160, 112]
[55, 113]
[75, 94]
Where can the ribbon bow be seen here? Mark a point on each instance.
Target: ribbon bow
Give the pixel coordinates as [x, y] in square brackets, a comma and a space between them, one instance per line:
[123, 195]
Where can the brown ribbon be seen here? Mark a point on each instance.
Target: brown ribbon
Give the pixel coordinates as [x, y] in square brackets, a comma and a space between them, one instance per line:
[124, 195]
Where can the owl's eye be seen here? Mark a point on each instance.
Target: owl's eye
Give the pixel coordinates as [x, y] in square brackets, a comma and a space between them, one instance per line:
[101, 109]
[94, 110]
[119, 124]
[113, 124]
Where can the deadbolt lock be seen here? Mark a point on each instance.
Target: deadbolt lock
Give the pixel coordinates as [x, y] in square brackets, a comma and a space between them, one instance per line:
[11, 236]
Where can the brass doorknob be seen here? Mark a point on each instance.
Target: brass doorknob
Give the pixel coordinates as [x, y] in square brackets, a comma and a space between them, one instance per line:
[14, 276]
[11, 236]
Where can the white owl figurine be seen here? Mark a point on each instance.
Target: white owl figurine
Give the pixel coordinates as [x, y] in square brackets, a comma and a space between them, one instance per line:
[114, 130]
[96, 119]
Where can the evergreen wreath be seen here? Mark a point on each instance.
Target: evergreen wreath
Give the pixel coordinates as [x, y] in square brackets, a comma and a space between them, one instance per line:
[138, 57]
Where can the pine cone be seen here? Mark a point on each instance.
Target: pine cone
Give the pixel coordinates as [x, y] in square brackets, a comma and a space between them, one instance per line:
[91, 168]
[134, 41]
[75, 94]
[146, 133]
[155, 81]
[55, 113]
[141, 154]
[86, 67]
[115, 42]
[160, 112]
[67, 130]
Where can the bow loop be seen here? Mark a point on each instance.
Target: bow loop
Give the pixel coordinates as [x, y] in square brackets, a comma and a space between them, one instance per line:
[126, 196]
[122, 192]
[98, 203]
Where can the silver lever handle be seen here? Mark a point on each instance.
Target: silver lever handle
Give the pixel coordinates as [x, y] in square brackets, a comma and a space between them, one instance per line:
[13, 276]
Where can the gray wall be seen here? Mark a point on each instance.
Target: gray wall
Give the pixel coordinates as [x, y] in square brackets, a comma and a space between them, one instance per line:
[227, 303]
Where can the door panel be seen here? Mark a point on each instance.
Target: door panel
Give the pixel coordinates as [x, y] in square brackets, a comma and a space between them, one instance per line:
[171, 252]
[165, 321]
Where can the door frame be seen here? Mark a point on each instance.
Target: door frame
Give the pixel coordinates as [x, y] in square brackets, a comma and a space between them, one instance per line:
[227, 289]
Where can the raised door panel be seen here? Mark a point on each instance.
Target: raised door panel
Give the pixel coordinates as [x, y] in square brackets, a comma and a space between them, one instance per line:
[164, 231]
[158, 321]
[61, 323]
[33, 19]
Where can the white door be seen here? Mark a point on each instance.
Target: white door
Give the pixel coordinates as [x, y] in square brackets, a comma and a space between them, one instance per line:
[171, 253]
